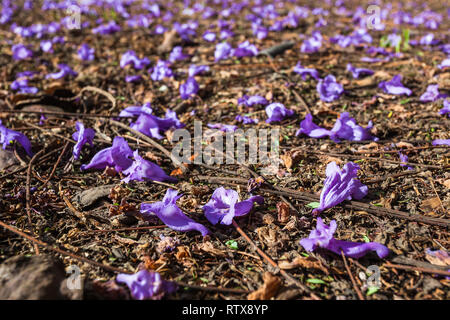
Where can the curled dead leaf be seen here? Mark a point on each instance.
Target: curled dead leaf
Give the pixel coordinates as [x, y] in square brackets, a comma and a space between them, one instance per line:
[268, 290]
[303, 262]
[284, 212]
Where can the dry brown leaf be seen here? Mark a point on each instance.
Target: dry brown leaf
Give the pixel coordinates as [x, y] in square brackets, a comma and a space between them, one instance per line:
[430, 204]
[284, 212]
[402, 144]
[303, 262]
[447, 183]
[209, 248]
[182, 252]
[168, 41]
[268, 290]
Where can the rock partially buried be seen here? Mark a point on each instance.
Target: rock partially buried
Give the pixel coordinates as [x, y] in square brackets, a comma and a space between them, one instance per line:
[34, 278]
[88, 197]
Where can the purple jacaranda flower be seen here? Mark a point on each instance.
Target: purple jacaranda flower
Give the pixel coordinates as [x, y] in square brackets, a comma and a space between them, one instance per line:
[133, 78]
[186, 30]
[177, 54]
[169, 213]
[340, 185]
[328, 89]
[323, 237]
[404, 158]
[375, 60]
[21, 85]
[46, 46]
[64, 70]
[444, 64]
[446, 108]
[308, 127]
[142, 169]
[145, 285]
[223, 51]
[312, 44]
[394, 40]
[250, 101]
[109, 28]
[346, 128]
[42, 119]
[277, 112]
[151, 125]
[357, 72]
[428, 40]
[224, 205]
[189, 88]
[439, 142]
[7, 136]
[245, 49]
[209, 36]
[222, 127]
[130, 58]
[21, 52]
[440, 257]
[134, 111]
[431, 94]
[82, 136]
[86, 53]
[259, 31]
[117, 156]
[159, 29]
[161, 71]
[246, 120]
[225, 34]
[395, 86]
[304, 72]
[195, 70]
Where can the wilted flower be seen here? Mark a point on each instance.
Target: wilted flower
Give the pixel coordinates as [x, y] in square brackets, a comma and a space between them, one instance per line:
[117, 156]
[109, 28]
[308, 127]
[147, 285]
[249, 101]
[245, 119]
[347, 129]
[245, 49]
[395, 86]
[142, 169]
[130, 57]
[195, 70]
[223, 51]
[64, 70]
[340, 185]
[444, 64]
[224, 206]
[357, 72]
[323, 237]
[438, 142]
[312, 44]
[189, 88]
[222, 127]
[133, 78]
[133, 111]
[177, 54]
[46, 46]
[446, 108]
[304, 72]
[7, 136]
[82, 136]
[431, 94]
[428, 40]
[161, 71]
[209, 36]
[151, 125]
[328, 89]
[277, 112]
[21, 52]
[404, 158]
[169, 213]
[21, 84]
